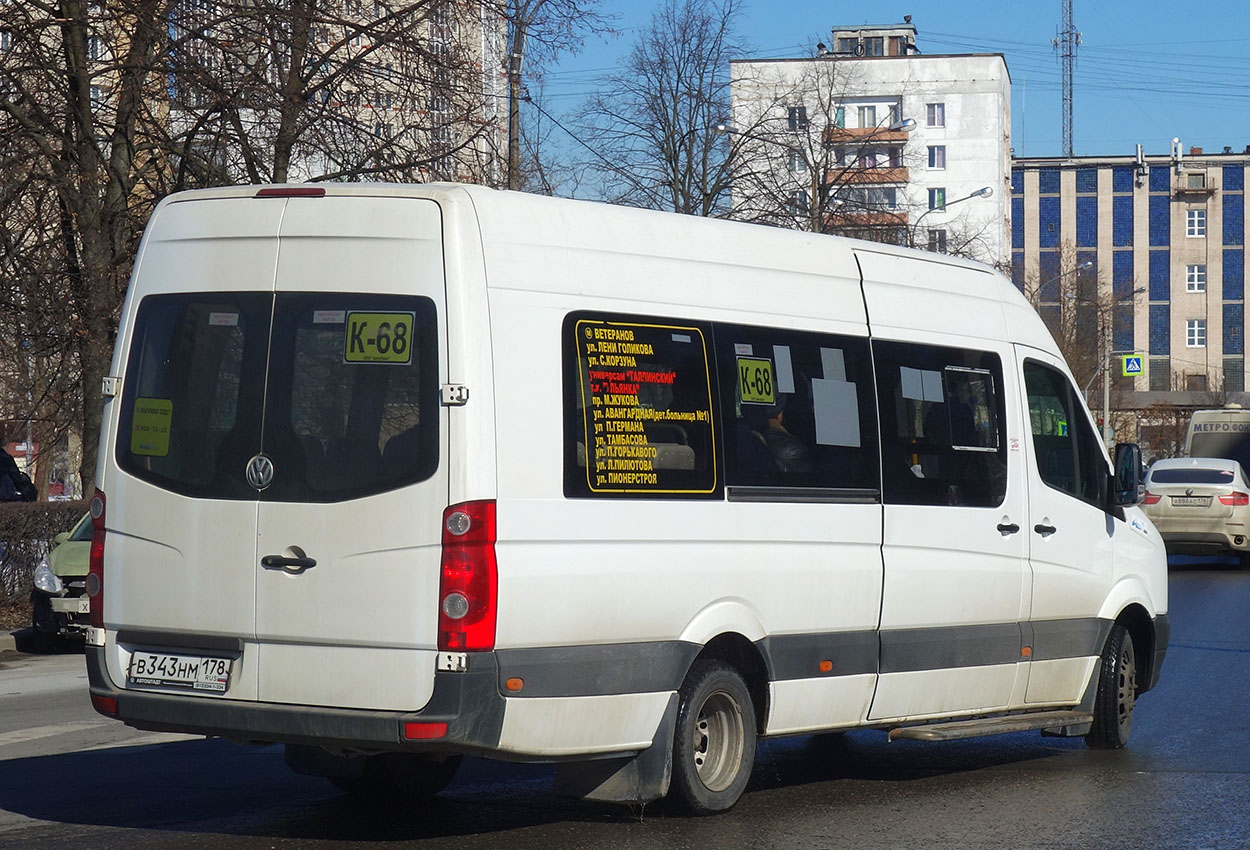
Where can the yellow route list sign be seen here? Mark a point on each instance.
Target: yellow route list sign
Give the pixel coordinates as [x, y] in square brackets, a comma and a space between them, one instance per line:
[149, 428]
[646, 398]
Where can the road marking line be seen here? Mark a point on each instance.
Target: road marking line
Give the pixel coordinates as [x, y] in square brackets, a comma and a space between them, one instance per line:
[145, 741]
[21, 736]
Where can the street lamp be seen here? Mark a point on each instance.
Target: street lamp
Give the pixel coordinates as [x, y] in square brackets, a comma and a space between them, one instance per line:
[983, 192]
[1104, 360]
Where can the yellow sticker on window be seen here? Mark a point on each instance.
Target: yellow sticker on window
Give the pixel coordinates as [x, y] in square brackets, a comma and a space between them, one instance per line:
[755, 380]
[378, 338]
[149, 427]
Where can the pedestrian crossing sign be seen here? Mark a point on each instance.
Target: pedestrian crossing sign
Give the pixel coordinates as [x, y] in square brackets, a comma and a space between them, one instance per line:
[1130, 364]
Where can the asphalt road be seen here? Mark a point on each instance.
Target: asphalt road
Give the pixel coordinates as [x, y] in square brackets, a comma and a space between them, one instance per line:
[69, 778]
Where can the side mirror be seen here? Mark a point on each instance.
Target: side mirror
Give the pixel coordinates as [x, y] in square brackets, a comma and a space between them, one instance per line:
[1126, 475]
[61, 538]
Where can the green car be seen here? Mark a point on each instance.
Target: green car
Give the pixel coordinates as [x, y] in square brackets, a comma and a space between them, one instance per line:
[59, 599]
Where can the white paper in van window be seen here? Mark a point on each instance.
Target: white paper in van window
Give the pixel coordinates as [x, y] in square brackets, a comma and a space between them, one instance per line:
[681, 337]
[933, 386]
[224, 319]
[743, 349]
[834, 364]
[912, 383]
[785, 369]
[836, 410]
[329, 317]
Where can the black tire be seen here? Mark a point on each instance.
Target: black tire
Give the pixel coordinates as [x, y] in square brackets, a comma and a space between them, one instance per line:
[714, 741]
[1117, 693]
[412, 776]
[43, 637]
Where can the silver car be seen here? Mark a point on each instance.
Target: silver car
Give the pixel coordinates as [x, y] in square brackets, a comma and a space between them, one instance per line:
[1201, 505]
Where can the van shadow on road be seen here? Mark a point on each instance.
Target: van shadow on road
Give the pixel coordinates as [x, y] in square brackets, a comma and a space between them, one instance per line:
[219, 788]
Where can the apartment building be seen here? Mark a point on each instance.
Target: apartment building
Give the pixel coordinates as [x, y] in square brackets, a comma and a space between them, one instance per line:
[874, 139]
[1153, 248]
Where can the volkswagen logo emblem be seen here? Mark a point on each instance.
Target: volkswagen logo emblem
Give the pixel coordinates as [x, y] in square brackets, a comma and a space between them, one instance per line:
[260, 472]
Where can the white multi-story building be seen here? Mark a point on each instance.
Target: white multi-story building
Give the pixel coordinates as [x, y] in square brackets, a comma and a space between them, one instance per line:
[875, 139]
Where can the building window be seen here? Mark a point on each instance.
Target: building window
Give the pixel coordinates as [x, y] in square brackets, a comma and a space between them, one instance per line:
[797, 119]
[1196, 383]
[848, 45]
[97, 97]
[935, 114]
[797, 201]
[6, 40]
[839, 117]
[1196, 223]
[867, 117]
[937, 156]
[874, 46]
[1160, 374]
[797, 163]
[1196, 180]
[937, 199]
[1196, 278]
[937, 241]
[1195, 333]
[95, 47]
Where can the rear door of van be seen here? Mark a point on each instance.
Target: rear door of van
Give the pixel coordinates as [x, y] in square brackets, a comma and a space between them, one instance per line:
[299, 384]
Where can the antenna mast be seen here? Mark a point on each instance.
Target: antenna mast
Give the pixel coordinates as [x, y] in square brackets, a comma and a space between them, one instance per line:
[1066, 43]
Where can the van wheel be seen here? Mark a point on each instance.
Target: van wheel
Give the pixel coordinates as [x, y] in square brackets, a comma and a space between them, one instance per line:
[408, 775]
[1117, 693]
[714, 742]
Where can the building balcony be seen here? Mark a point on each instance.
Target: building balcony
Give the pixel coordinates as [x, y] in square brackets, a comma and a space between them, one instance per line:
[872, 176]
[858, 135]
[867, 218]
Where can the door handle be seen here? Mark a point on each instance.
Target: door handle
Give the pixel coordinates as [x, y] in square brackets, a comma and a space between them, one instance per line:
[295, 565]
[1008, 527]
[1044, 529]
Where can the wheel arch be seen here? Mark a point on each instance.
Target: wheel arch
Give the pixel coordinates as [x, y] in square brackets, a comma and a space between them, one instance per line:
[744, 656]
[1141, 628]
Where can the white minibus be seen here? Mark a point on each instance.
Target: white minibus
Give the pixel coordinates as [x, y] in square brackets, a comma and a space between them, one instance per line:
[396, 474]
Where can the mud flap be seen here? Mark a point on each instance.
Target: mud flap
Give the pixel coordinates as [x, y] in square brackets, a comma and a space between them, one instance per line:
[632, 779]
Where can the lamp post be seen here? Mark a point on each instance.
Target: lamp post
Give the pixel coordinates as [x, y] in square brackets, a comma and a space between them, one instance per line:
[815, 206]
[1105, 353]
[983, 192]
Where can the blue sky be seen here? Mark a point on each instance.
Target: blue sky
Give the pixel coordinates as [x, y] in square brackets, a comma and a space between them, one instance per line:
[1146, 71]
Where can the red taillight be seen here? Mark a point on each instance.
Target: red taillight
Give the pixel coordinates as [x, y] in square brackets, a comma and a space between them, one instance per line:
[104, 705]
[1236, 499]
[1151, 498]
[95, 573]
[424, 731]
[468, 578]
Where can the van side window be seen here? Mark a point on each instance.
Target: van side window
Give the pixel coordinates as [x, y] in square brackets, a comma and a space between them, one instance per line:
[797, 409]
[942, 440]
[1068, 457]
[639, 408]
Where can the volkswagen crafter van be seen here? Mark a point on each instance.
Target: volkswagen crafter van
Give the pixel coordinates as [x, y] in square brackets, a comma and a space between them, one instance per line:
[395, 474]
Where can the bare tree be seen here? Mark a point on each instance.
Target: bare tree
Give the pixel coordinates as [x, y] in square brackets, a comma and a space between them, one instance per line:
[538, 31]
[278, 90]
[82, 193]
[818, 152]
[652, 126]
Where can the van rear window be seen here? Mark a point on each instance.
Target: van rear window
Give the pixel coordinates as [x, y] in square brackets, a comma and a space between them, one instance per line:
[337, 390]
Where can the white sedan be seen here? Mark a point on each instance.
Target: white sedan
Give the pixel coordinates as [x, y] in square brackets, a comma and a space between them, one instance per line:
[1201, 505]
